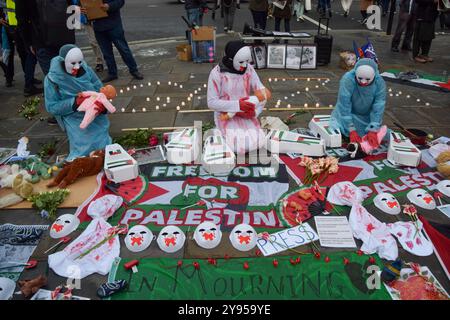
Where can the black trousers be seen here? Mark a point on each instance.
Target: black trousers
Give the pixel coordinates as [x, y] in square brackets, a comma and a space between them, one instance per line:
[423, 36]
[259, 19]
[405, 24]
[287, 24]
[14, 43]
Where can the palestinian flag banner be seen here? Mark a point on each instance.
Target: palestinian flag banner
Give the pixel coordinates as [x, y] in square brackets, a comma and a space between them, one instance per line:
[186, 195]
[426, 81]
[373, 175]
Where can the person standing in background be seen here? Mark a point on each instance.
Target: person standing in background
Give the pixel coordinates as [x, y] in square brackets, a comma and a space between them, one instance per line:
[195, 10]
[425, 12]
[228, 10]
[284, 13]
[109, 31]
[259, 10]
[346, 4]
[324, 7]
[87, 26]
[405, 24]
[14, 41]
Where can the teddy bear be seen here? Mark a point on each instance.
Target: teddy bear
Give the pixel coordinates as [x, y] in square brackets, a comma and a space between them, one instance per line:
[443, 164]
[30, 287]
[22, 190]
[78, 168]
[8, 174]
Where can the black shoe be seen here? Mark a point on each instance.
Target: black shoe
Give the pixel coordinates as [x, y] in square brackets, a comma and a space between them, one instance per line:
[109, 78]
[52, 121]
[36, 81]
[346, 14]
[395, 49]
[137, 75]
[99, 67]
[329, 14]
[31, 91]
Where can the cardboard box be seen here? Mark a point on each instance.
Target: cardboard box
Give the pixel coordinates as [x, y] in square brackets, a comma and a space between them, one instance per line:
[184, 52]
[204, 33]
[402, 151]
[280, 141]
[119, 165]
[94, 10]
[320, 126]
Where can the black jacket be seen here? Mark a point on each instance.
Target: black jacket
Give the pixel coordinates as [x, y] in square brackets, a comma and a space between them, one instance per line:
[113, 18]
[28, 23]
[425, 10]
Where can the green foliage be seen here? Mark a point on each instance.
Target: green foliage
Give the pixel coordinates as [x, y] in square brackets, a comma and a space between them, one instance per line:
[136, 139]
[207, 126]
[29, 108]
[49, 201]
[291, 119]
[47, 149]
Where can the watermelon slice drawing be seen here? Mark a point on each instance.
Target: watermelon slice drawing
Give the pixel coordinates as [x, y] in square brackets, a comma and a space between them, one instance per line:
[131, 190]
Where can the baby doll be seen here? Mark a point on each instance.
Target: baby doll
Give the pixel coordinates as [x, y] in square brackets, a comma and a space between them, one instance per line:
[94, 103]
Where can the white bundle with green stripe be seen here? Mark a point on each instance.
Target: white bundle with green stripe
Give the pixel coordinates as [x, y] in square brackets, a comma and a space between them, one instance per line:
[320, 126]
[119, 166]
[280, 141]
[218, 158]
[184, 147]
[402, 151]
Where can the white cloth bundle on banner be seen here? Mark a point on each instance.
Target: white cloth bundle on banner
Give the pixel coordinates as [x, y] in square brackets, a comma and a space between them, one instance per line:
[374, 234]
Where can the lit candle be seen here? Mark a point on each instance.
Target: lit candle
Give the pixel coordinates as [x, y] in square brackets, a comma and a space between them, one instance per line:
[181, 86]
[195, 91]
[128, 88]
[133, 110]
[158, 83]
[289, 106]
[164, 104]
[141, 85]
[183, 103]
[331, 106]
[122, 109]
[144, 109]
[175, 84]
[298, 92]
[178, 107]
[307, 89]
[134, 87]
[149, 84]
[427, 104]
[158, 98]
[308, 79]
[305, 105]
[418, 100]
[148, 99]
[157, 107]
[270, 79]
[296, 79]
[317, 86]
[189, 99]
[205, 86]
[317, 105]
[121, 90]
[408, 96]
[169, 83]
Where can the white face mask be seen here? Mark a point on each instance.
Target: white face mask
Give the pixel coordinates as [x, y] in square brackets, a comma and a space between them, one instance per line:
[422, 199]
[7, 287]
[242, 59]
[365, 75]
[171, 239]
[207, 235]
[243, 237]
[73, 61]
[138, 238]
[64, 225]
[386, 202]
[444, 187]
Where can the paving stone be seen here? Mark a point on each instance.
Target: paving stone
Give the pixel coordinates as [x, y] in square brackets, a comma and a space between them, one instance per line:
[15, 127]
[151, 119]
[408, 117]
[140, 102]
[187, 119]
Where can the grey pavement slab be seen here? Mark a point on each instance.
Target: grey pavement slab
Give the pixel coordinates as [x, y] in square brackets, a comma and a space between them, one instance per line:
[148, 119]
[187, 119]
[15, 127]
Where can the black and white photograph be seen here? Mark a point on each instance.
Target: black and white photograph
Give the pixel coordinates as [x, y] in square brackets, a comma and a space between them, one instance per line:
[259, 56]
[308, 57]
[276, 56]
[293, 56]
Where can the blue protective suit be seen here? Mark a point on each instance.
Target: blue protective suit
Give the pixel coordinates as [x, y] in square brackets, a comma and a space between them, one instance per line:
[61, 90]
[359, 108]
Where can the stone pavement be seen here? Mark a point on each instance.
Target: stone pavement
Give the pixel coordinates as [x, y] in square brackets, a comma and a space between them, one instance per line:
[423, 109]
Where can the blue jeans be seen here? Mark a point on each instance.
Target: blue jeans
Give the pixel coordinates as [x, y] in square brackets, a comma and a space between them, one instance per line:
[287, 25]
[44, 57]
[115, 36]
[324, 5]
[195, 16]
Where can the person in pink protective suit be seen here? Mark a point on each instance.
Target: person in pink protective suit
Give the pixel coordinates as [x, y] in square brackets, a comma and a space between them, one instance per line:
[237, 96]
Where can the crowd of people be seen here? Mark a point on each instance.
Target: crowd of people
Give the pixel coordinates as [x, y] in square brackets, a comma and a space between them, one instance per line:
[37, 29]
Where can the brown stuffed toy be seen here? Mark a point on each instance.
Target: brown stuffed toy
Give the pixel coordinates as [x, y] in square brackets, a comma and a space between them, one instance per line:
[78, 168]
[30, 287]
[443, 164]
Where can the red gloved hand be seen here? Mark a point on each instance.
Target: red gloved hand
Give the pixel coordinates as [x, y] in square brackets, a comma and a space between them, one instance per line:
[205, 10]
[99, 107]
[372, 139]
[247, 109]
[354, 137]
[79, 99]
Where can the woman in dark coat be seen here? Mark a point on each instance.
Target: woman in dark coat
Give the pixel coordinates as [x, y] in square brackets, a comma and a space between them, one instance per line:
[285, 14]
[259, 9]
[426, 14]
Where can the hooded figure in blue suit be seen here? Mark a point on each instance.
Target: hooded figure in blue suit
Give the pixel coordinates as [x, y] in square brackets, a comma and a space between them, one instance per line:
[68, 76]
[361, 101]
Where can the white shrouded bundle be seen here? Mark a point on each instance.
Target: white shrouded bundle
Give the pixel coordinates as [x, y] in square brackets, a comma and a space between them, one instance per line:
[402, 151]
[119, 165]
[184, 147]
[280, 141]
[320, 127]
[218, 158]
